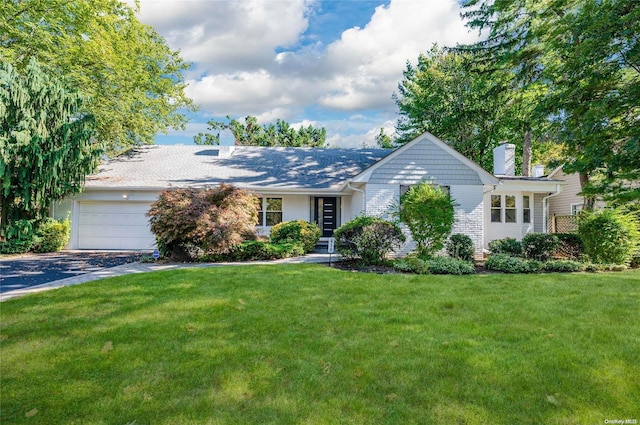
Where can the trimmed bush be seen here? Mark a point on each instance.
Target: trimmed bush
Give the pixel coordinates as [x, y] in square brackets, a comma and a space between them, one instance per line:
[507, 264]
[411, 265]
[508, 246]
[21, 237]
[611, 236]
[444, 265]
[563, 266]
[460, 246]
[54, 235]
[436, 265]
[368, 239]
[539, 246]
[296, 232]
[257, 251]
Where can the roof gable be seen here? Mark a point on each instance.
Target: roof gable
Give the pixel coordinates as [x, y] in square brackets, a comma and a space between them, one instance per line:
[426, 158]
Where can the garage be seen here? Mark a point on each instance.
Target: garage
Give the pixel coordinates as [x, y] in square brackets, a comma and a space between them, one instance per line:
[114, 225]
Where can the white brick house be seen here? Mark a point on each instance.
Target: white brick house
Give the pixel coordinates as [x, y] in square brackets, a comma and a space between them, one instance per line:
[327, 186]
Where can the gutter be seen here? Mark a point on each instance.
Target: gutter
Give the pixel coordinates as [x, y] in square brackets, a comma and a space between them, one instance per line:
[545, 209]
[364, 197]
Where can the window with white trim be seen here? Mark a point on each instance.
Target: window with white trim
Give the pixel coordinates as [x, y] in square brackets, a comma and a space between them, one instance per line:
[270, 211]
[510, 209]
[496, 208]
[576, 208]
[504, 209]
[526, 209]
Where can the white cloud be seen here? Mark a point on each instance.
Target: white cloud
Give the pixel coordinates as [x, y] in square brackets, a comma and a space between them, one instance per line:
[249, 59]
[220, 36]
[370, 60]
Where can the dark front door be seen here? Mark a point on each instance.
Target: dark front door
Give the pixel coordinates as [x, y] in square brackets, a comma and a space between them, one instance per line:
[326, 215]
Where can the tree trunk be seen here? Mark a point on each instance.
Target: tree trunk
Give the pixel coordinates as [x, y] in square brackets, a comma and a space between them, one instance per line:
[4, 215]
[589, 203]
[526, 152]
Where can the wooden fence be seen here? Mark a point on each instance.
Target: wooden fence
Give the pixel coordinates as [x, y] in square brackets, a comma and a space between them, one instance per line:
[563, 224]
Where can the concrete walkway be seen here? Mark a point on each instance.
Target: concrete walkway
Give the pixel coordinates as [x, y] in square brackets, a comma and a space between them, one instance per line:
[151, 267]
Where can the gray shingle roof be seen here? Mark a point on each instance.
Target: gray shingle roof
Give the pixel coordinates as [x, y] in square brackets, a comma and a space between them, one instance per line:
[184, 166]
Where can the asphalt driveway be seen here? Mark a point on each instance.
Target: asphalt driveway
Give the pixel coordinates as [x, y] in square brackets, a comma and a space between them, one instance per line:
[19, 272]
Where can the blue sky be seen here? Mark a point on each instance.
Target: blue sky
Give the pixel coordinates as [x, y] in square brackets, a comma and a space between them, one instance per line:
[329, 63]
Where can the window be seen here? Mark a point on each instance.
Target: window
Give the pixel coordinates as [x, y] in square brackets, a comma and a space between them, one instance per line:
[576, 208]
[270, 211]
[260, 220]
[510, 209]
[503, 209]
[274, 211]
[526, 209]
[496, 208]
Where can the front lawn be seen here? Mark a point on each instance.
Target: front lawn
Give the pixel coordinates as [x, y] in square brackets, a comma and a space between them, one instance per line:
[305, 344]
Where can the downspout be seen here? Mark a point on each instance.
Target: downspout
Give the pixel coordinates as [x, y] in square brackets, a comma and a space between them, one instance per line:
[364, 197]
[545, 209]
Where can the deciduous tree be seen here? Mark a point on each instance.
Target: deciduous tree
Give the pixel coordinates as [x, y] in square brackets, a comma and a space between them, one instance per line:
[130, 77]
[460, 100]
[250, 133]
[585, 55]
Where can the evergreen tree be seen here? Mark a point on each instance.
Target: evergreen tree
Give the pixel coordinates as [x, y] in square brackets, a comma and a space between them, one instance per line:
[46, 143]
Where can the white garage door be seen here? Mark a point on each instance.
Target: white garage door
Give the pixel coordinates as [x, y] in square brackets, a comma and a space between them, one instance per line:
[114, 225]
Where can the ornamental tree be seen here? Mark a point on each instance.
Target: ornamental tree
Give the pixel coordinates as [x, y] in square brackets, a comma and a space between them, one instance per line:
[428, 212]
[46, 144]
[203, 221]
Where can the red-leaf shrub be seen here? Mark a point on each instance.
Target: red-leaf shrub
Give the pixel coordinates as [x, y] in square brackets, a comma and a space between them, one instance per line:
[212, 220]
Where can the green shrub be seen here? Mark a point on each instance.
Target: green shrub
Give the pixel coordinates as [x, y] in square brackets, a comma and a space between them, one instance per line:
[460, 246]
[368, 239]
[296, 232]
[609, 236]
[564, 266]
[570, 246]
[539, 246]
[54, 235]
[507, 264]
[428, 212]
[534, 266]
[444, 265]
[21, 237]
[257, 251]
[435, 265]
[508, 246]
[411, 265]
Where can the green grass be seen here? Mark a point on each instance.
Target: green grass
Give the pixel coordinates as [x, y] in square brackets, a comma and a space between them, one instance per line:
[305, 344]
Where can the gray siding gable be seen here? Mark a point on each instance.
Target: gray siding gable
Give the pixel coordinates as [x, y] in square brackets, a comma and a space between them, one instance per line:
[424, 161]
